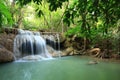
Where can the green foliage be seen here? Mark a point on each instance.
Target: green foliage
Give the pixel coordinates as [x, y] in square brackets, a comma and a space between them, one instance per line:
[54, 4]
[5, 14]
[86, 14]
[39, 12]
[116, 42]
[0, 19]
[116, 38]
[79, 33]
[30, 26]
[23, 2]
[73, 31]
[89, 11]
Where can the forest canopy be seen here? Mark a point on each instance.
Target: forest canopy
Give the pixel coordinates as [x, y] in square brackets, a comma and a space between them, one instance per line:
[94, 21]
[85, 14]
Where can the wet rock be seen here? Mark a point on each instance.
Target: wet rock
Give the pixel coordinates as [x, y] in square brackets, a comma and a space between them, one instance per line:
[5, 55]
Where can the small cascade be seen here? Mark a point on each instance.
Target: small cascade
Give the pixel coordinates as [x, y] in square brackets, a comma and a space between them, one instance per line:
[30, 43]
[58, 40]
[53, 41]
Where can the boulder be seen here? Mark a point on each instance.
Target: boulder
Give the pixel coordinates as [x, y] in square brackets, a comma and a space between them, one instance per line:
[5, 55]
[68, 51]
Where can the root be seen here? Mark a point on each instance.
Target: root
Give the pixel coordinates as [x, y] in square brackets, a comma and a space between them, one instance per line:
[95, 52]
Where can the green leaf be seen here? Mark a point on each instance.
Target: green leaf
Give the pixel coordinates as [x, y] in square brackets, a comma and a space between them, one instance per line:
[4, 11]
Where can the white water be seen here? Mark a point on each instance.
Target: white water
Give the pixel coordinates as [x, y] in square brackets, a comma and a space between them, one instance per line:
[30, 44]
[54, 42]
[58, 45]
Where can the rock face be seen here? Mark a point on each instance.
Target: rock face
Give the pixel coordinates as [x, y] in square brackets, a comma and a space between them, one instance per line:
[5, 55]
[7, 40]
[68, 51]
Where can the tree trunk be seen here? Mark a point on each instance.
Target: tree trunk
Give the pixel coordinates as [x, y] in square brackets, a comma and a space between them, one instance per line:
[85, 44]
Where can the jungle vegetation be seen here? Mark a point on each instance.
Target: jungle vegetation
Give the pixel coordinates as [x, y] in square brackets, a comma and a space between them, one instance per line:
[96, 21]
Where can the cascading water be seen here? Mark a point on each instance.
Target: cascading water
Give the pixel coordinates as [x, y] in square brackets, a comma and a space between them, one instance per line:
[29, 43]
[53, 42]
[58, 45]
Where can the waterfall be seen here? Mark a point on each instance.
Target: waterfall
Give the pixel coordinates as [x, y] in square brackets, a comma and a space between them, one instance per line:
[58, 39]
[53, 41]
[30, 43]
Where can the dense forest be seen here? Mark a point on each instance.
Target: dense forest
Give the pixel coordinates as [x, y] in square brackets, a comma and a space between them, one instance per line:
[59, 39]
[88, 24]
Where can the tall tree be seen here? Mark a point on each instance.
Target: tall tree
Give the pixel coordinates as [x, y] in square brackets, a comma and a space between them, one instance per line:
[87, 11]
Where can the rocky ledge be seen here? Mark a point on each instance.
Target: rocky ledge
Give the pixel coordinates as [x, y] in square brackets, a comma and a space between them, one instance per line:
[5, 55]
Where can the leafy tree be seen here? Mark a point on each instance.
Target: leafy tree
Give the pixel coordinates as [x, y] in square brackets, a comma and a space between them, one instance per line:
[90, 12]
[87, 12]
[47, 19]
[93, 10]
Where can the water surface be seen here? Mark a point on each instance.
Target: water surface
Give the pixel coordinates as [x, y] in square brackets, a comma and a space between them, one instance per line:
[65, 68]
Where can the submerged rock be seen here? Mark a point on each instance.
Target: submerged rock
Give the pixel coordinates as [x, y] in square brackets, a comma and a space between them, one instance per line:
[92, 62]
[5, 55]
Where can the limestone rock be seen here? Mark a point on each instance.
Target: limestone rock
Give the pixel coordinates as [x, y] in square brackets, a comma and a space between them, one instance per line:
[5, 55]
[68, 51]
[62, 38]
[7, 40]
